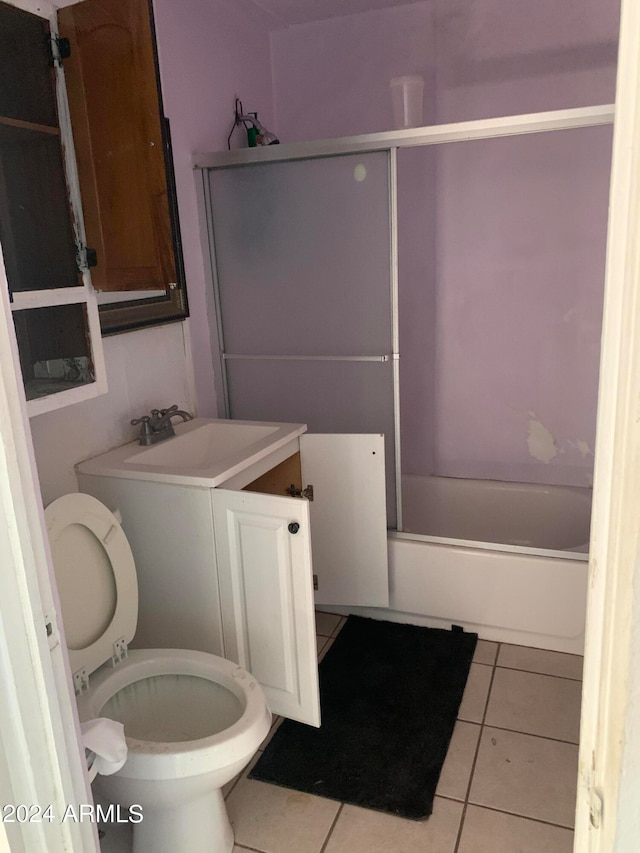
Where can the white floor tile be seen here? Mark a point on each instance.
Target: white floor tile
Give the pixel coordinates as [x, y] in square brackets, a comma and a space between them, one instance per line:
[456, 771]
[540, 660]
[486, 831]
[527, 776]
[327, 623]
[474, 699]
[537, 704]
[485, 652]
[364, 831]
[279, 820]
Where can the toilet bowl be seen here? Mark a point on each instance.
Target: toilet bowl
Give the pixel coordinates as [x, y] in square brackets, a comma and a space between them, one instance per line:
[192, 720]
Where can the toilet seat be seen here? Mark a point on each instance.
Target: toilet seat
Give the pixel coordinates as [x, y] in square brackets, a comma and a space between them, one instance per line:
[96, 579]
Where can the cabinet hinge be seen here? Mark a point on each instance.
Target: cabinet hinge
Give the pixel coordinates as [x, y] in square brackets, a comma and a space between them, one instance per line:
[86, 258]
[306, 493]
[315, 581]
[60, 49]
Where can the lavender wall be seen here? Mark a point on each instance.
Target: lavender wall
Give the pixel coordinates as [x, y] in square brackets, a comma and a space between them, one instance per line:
[499, 57]
[209, 52]
[521, 231]
[502, 242]
[331, 78]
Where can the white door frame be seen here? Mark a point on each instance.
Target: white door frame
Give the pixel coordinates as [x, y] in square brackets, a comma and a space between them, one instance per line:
[607, 816]
[39, 730]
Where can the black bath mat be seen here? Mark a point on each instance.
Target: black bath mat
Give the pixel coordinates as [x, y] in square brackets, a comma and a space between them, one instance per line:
[389, 696]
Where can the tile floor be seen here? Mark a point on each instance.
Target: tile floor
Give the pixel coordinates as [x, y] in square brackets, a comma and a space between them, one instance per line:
[508, 784]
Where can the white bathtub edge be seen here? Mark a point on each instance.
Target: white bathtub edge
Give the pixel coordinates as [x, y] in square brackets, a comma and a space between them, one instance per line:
[521, 599]
[572, 646]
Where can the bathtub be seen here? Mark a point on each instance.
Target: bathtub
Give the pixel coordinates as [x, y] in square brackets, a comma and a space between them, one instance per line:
[506, 560]
[555, 518]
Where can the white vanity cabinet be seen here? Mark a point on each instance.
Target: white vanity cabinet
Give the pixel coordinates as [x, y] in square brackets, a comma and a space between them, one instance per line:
[230, 569]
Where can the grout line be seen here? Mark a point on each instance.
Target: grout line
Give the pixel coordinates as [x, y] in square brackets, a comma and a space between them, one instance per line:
[244, 773]
[338, 627]
[535, 672]
[331, 828]
[511, 814]
[475, 757]
[325, 648]
[537, 649]
[232, 788]
[528, 734]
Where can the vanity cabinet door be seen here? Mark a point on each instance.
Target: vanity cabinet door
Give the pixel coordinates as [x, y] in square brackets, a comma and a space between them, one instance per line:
[348, 517]
[263, 550]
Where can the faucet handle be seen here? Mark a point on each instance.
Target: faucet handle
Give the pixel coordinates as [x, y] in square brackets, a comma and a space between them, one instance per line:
[145, 428]
[173, 408]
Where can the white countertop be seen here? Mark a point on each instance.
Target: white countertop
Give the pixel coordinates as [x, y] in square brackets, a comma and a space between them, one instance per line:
[205, 452]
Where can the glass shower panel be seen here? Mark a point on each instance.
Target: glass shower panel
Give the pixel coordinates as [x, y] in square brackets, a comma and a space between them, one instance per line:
[521, 238]
[304, 286]
[500, 337]
[329, 396]
[303, 256]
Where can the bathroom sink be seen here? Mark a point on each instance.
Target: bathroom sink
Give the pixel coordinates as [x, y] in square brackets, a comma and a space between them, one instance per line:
[202, 447]
[204, 451]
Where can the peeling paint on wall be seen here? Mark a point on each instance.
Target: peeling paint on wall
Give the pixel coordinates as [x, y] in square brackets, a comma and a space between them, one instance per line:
[540, 441]
[582, 447]
[544, 447]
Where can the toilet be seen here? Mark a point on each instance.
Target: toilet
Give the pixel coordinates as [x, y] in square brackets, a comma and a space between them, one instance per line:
[192, 720]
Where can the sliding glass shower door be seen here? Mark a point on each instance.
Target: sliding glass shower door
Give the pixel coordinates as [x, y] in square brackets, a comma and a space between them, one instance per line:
[305, 295]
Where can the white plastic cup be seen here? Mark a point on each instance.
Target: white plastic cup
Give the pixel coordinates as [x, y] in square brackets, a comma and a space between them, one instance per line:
[407, 94]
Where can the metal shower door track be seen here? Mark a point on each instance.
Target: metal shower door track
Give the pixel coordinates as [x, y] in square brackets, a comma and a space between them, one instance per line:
[413, 137]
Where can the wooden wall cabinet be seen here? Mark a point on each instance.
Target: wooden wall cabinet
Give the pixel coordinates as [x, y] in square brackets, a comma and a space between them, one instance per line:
[124, 160]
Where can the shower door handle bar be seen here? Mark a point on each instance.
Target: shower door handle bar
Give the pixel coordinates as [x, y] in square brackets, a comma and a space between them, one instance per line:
[227, 356]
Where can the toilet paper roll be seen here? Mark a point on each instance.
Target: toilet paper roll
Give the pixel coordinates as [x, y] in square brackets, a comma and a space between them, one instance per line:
[105, 739]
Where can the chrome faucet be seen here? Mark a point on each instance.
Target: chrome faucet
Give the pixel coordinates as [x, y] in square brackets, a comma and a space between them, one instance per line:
[157, 426]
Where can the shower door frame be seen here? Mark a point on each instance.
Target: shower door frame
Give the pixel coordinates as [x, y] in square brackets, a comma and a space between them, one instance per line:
[390, 142]
[221, 356]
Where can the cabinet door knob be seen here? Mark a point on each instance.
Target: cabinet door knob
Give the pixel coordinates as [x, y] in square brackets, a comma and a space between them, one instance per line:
[293, 527]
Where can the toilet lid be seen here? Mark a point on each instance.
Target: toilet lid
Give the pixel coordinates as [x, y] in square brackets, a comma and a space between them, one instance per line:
[96, 578]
